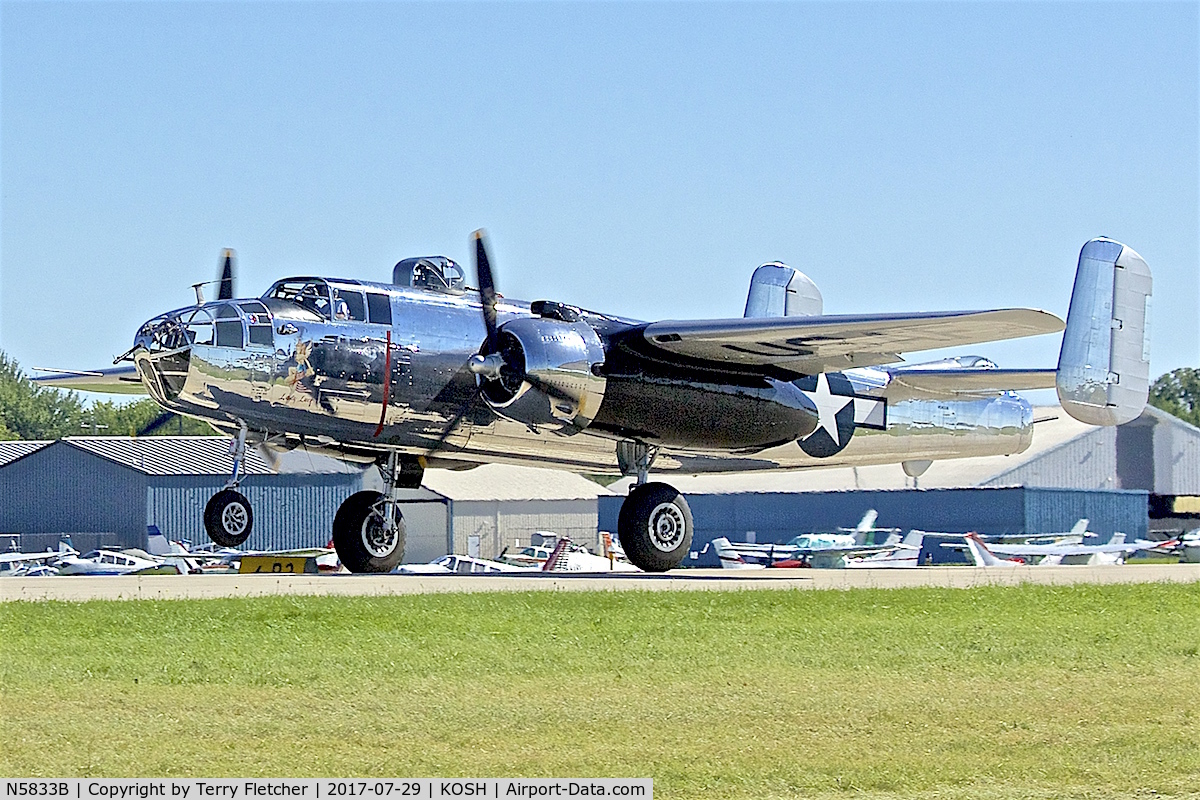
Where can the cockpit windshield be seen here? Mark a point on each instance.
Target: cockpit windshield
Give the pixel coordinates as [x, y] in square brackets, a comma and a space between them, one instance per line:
[312, 294]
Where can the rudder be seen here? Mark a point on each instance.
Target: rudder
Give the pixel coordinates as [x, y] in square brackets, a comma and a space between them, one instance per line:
[1104, 365]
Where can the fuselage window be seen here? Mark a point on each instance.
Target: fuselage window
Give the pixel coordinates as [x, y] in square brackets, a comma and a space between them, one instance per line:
[379, 308]
[262, 335]
[354, 309]
[229, 333]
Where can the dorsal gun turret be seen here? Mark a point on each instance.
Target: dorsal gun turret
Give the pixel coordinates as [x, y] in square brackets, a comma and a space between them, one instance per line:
[435, 273]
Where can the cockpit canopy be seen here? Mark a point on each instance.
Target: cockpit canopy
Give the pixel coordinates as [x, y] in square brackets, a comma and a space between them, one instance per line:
[339, 300]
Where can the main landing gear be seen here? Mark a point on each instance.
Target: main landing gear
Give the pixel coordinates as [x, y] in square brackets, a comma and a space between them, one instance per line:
[655, 523]
[369, 530]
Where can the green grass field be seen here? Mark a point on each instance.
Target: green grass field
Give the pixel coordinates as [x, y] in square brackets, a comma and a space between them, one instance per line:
[1029, 692]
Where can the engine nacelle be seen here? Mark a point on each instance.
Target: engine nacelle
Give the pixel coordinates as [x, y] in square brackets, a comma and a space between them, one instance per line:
[551, 378]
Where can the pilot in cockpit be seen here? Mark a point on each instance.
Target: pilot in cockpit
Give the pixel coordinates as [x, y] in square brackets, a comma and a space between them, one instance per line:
[341, 310]
[312, 298]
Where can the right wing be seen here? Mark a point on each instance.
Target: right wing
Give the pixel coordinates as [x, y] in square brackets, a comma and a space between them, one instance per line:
[115, 380]
[811, 345]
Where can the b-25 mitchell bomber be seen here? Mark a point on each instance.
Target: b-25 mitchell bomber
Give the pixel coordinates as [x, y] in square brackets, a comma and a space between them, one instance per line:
[425, 371]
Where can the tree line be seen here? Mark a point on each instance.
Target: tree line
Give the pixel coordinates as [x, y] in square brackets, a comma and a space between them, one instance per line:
[29, 411]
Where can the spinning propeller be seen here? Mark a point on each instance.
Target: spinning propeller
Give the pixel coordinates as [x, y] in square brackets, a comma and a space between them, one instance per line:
[224, 292]
[501, 361]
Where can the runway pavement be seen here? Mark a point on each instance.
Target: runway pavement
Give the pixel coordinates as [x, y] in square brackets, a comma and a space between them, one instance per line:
[163, 587]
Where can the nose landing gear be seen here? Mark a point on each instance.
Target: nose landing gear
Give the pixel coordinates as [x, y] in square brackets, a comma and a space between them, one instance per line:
[228, 518]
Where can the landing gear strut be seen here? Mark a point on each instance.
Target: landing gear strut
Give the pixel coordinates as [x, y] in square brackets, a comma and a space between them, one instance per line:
[655, 523]
[369, 530]
[228, 518]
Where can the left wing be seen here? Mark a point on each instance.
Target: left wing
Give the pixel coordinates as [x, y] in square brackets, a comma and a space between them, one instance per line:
[811, 345]
[115, 380]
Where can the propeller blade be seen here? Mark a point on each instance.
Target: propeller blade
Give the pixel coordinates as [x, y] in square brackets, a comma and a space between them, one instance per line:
[225, 292]
[156, 423]
[487, 288]
[269, 455]
[454, 422]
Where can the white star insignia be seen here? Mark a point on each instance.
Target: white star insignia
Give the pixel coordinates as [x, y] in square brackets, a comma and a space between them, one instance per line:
[828, 405]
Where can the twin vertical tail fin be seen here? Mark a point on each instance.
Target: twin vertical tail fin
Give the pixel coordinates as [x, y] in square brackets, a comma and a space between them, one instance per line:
[1104, 364]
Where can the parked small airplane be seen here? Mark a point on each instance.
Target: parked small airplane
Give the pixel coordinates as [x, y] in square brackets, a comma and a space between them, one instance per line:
[798, 550]
[17, 564]
[920, 549]
[733, 555]
[1114, 552]
[454, 564]
[424, 371]
[105, 561]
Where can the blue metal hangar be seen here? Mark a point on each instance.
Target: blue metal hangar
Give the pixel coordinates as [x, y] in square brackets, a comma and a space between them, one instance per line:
[1140, 478]
[108, 489]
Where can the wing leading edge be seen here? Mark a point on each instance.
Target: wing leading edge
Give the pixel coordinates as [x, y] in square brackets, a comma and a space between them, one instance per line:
[115, 380]
[811, 345]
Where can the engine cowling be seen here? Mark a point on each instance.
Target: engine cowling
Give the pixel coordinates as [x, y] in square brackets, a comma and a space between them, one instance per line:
[550, 378]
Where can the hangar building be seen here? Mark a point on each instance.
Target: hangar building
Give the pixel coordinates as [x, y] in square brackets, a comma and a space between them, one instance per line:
[107, 490]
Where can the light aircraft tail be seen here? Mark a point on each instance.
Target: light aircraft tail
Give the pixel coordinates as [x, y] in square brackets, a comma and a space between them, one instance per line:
[983, 557]
[1080, 528]
[730, 558]
[867, 523]
[1103, 375]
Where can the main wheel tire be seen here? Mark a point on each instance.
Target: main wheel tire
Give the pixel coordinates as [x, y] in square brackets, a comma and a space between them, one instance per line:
[359, 536]
[655, 527]
[228, 518]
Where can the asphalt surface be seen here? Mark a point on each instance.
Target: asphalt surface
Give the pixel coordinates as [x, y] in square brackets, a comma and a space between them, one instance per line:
[146, 587]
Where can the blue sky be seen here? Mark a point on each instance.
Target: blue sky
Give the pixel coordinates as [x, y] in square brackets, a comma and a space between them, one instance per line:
[639, 159]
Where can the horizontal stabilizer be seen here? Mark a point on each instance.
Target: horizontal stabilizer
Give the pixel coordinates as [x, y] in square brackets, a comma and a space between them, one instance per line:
[1104, 364]
[950, 383]
[114, 380]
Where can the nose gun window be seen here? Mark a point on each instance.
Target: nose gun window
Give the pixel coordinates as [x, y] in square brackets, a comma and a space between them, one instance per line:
[199, 326]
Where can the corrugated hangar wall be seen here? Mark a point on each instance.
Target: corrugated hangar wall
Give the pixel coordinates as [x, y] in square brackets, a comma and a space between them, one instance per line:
[290, 511]
[64, 490]
[68, 490]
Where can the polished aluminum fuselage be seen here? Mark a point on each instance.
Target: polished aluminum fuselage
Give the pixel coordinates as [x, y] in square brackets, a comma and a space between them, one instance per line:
[360, 389]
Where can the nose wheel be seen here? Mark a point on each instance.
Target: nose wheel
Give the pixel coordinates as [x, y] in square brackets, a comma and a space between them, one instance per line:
[228, 518]
[655, 527]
